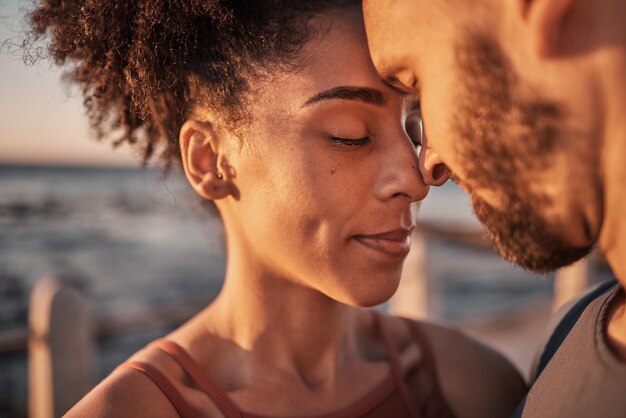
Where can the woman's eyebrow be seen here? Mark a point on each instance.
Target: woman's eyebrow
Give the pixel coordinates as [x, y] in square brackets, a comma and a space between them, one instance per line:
[362, 94]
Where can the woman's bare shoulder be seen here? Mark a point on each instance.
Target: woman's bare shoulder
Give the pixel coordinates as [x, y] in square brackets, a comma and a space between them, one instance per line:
[124, 393]
[476, 380]
[129, 392]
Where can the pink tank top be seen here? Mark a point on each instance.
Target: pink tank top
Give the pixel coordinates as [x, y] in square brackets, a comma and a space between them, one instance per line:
[389, 399]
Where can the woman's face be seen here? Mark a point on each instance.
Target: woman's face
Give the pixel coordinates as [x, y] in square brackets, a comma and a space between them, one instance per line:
[326, 175]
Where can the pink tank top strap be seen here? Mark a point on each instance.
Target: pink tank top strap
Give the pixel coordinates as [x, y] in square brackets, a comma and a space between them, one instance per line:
[437, 406]
[184, 360]
[183, 408]
[396, 368]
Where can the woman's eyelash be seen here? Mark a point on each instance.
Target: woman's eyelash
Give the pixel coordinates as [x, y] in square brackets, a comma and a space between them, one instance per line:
[350, 141]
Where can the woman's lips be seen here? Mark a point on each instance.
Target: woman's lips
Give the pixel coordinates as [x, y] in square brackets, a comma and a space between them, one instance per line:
[396, 243]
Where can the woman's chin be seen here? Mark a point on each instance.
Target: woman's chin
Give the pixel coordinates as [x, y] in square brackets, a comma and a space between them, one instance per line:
[367, 295]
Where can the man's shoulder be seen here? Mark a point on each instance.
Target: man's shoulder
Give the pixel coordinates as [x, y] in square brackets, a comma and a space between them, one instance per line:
[571, 351]
[564, 320]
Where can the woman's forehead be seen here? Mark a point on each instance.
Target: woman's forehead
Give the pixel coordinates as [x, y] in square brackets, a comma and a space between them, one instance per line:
[334, 63]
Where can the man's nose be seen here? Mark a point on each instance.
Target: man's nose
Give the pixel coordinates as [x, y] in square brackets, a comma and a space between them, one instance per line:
[434, 171]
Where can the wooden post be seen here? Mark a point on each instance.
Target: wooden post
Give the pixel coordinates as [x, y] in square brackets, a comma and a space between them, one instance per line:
[60, 349]
[411, 298]
[570, 282]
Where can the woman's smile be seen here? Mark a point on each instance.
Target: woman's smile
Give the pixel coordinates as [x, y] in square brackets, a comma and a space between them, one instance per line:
[395, 243]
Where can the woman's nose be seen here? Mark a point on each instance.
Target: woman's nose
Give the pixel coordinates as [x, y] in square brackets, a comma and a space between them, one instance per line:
[400, 176]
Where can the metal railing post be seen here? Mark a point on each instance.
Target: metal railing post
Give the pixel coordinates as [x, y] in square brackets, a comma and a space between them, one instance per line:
[60, 349]
[570, 282]
[411, 298]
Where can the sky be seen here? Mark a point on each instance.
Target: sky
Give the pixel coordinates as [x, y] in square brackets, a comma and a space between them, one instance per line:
[42, 120]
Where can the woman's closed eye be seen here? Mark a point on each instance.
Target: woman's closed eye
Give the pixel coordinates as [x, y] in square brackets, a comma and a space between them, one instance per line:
[350, 142]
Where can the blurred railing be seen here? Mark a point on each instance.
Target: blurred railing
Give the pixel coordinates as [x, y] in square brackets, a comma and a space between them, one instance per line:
[61, 332]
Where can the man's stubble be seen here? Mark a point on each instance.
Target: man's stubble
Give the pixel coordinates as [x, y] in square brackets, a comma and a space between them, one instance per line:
[503, 140]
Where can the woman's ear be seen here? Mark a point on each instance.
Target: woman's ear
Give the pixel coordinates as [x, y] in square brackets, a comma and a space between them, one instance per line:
[199, 148]
[546, 21]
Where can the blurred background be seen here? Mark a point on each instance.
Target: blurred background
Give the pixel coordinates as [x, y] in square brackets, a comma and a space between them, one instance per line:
[145, 255]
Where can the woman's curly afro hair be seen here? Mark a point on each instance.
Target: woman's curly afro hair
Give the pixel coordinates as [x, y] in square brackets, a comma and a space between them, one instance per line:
[142, 65]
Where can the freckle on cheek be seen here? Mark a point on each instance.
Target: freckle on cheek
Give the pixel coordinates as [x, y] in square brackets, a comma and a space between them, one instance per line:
[332, 172]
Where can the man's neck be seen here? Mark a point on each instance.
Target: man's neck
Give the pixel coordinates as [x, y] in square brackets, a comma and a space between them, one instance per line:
[613, 234]
[612, 238]
[616, 326]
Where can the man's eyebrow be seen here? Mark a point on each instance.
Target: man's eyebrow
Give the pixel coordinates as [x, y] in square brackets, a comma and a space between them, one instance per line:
[362, 94]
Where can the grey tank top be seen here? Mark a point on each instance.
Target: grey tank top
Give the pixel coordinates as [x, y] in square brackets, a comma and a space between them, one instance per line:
[584, 378]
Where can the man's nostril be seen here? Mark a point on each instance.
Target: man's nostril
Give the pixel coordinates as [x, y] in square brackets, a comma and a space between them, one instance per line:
[439, 171]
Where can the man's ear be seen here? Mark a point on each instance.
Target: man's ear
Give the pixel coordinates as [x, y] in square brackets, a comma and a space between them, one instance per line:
[546, 22]
[199, 148]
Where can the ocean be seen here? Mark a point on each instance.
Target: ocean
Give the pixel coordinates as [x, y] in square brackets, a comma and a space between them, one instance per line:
[131, 238]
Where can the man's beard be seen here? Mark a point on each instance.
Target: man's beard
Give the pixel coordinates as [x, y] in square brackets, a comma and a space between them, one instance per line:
[523, 237]
[503, 140]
